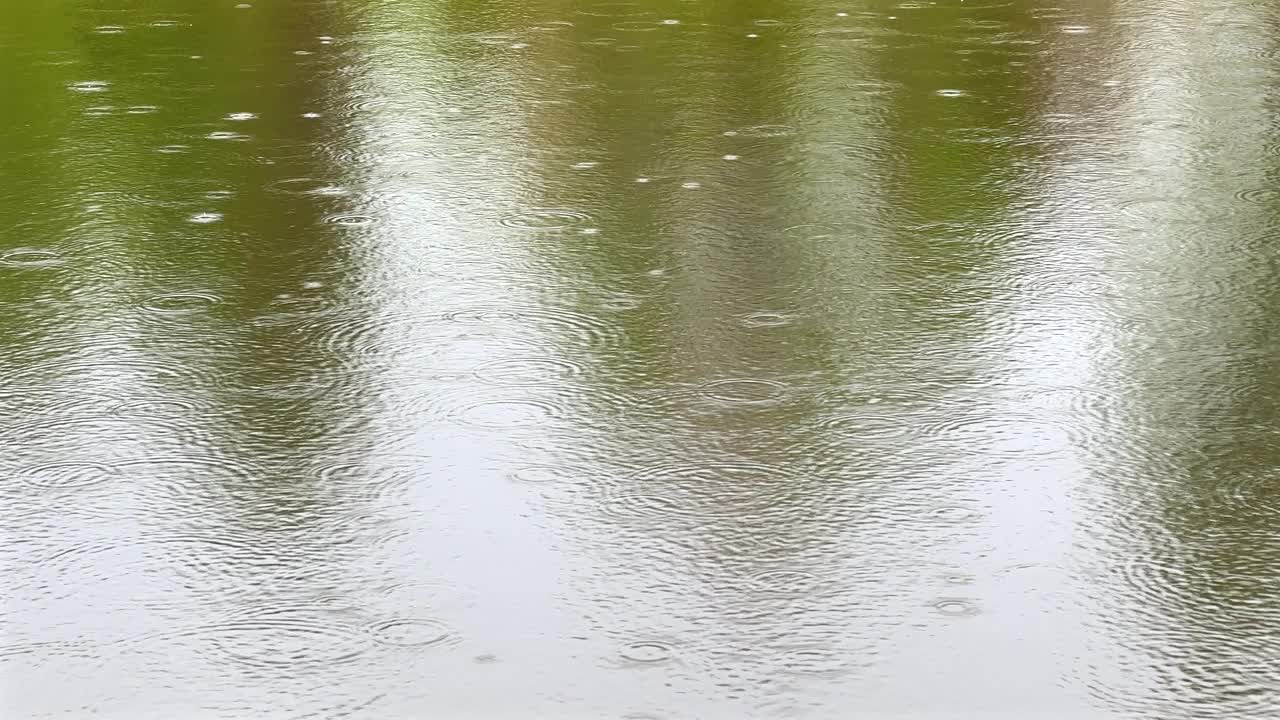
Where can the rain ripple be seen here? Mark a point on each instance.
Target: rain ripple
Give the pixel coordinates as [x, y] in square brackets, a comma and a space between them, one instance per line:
[547, 219]
[528, 371]
[31, 258]
[284, 639]
[181, 569]
[700, 492]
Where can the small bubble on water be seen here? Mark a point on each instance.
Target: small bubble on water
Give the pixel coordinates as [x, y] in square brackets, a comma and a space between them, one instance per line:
[311, 115]
[750, 35]
[729, 133]
[730, 157]
[842, 14]
[108, 29]
[301, 52]
[89, 86]
[519, 46]
[949, 93]
[585, 165]
[324, 38]
[240, 116]
[1075, 29]
[691, 185]
[670, 22]
[642, 179]
[589, 231]
[243, 6]
[205, 218]
[312, 285]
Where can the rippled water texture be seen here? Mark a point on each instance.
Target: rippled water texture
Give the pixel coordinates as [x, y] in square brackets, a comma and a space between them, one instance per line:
[647, 359]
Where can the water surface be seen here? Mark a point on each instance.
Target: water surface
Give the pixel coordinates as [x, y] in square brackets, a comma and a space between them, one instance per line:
[647, 359]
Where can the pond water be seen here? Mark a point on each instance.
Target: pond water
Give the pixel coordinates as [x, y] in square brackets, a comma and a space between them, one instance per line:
[651, 359]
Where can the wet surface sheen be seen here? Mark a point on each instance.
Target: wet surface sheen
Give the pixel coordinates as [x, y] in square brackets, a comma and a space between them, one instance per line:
[396, 359]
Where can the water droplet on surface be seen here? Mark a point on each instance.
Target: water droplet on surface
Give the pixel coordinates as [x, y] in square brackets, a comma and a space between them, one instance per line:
[181, 303]
[307, 186]
[953, 513]
[537, 474]
[647, 653]
[955, 607]
[90, 86]
[349, 220]
[766, 320]
[410, 632]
